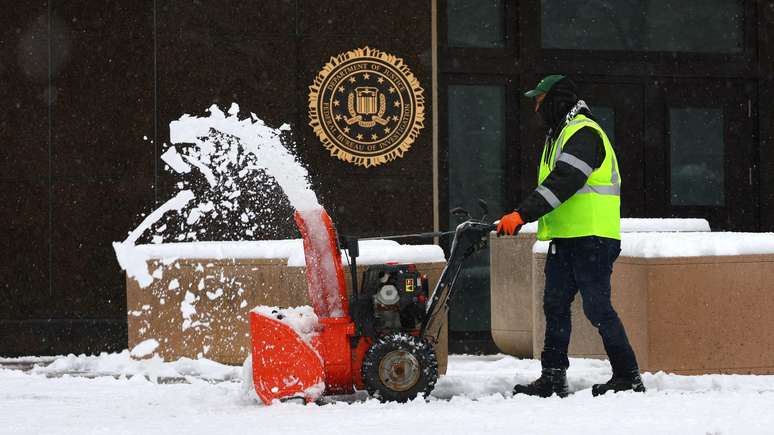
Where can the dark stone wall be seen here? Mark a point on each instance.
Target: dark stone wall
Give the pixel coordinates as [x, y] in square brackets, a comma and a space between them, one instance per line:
[766, 112]
[266, 57]
[77, 88]
[82, 83]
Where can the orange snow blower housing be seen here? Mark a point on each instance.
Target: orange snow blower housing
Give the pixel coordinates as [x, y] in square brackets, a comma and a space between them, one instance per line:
[380, 340]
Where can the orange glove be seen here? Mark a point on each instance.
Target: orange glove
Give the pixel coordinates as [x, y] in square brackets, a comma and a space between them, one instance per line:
[510, 224]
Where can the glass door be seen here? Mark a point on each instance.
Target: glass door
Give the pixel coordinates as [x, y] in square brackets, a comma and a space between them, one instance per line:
[477, 165]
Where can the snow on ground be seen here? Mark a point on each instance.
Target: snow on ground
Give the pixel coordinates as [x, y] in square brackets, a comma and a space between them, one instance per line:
[472, 398]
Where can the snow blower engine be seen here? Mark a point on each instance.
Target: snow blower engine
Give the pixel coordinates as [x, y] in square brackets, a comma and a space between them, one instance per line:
[380, 339]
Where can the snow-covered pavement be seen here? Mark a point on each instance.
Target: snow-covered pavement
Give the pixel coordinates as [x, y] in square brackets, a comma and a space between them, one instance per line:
[474, 398]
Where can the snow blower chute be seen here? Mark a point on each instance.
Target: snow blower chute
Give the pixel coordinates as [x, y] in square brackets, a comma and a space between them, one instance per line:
[379, 339]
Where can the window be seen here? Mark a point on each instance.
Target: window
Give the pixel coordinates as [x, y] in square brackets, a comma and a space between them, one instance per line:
[697, 156]
[476, 164]
[702, 26]
[476, 23]
[605, 117]
[476, 157]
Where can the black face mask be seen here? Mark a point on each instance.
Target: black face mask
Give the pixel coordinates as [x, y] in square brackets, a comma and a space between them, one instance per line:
[557, 102]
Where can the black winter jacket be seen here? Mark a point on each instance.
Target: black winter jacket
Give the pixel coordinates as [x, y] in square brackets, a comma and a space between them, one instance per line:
[565, 179]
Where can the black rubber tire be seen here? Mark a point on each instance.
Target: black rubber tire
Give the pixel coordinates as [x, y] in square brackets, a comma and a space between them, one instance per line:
[423, 354]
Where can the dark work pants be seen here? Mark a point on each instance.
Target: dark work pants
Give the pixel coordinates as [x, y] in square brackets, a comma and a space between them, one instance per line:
[585, 264]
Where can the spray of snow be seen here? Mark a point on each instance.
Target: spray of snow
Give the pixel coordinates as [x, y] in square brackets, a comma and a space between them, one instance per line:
[255, 138]
[131, 260]
[175, 161]
[234, 161]
[270, 156]
[240, 160]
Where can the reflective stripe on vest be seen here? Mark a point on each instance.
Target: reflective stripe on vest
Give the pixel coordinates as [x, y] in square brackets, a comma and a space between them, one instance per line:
[595, 208]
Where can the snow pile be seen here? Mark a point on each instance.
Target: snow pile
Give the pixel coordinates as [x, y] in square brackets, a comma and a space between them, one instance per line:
[646, 225]
[144, 348]
[134, 262]
[125, 365]
[302, 320]
[699, 244]
[371, 251]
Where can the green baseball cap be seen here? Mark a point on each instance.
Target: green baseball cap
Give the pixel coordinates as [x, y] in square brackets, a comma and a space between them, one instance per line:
[544, 86]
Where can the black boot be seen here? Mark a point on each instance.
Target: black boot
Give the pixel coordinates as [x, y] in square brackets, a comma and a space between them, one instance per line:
[627, 382]
[550, 381]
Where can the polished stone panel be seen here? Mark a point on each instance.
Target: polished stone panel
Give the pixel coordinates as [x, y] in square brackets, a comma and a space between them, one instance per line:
[259, 75]
[86, 218]
[113, 19]
[380, 20]
[24, 271]
[379, 205]
[54, 336]
[24, 91]
[23, 133]
[103, 106]
[237, 19]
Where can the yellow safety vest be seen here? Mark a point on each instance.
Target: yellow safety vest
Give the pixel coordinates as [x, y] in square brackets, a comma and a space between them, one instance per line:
[595, 209]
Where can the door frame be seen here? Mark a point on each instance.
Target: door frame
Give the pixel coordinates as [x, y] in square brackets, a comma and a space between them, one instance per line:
[737, 98]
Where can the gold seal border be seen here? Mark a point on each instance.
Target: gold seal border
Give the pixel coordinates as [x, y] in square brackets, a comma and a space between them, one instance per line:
[419, 109]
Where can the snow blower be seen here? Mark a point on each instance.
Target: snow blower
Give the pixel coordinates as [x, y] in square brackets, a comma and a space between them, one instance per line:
[381, 339]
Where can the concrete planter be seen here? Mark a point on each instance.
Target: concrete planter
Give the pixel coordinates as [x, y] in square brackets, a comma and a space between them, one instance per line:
[200, 306]
[511, 281]
[511, 293]
[689, 315]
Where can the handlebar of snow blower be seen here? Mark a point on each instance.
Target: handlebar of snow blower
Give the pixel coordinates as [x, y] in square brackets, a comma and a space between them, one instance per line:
[428, 235]
[469, 237]
[351, 244]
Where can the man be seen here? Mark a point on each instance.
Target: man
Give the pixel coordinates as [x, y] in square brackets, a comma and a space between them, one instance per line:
[577, 206]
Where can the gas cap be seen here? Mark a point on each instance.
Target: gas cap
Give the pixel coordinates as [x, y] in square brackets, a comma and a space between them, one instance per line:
[388, 295]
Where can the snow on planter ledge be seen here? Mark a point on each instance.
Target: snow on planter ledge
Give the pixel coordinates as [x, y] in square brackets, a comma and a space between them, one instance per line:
[647, 225]
[371, 251]
[697, 244]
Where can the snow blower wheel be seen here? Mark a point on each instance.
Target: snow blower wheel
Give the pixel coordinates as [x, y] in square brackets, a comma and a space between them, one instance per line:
[398, 367]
